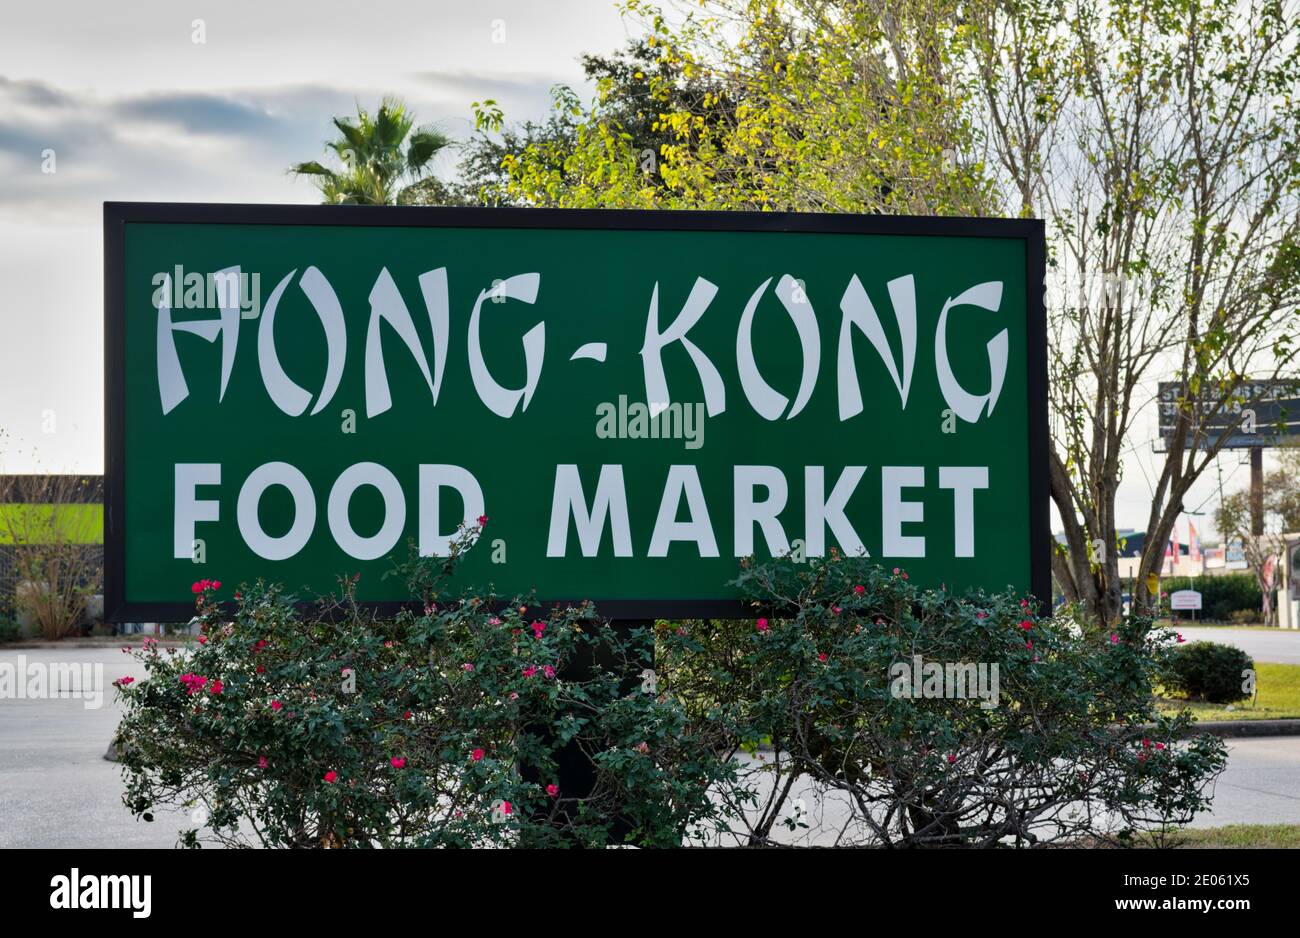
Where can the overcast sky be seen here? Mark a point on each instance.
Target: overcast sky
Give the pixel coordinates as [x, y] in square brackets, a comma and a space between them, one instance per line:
[134, 108]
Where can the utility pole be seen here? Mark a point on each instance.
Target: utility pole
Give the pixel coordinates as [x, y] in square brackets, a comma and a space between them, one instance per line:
[1256, 491]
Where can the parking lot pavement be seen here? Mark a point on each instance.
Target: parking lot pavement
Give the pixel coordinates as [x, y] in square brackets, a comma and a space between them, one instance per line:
[56, 789]
[1281, 646]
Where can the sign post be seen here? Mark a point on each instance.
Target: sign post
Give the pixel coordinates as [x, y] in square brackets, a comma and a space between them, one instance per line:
[633, 400]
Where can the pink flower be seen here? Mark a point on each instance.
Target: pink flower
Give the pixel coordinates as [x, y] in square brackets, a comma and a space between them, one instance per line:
[860, 589]
[835, 610]
[553, 790]
[514, 696]
[276, 705]
[761, 625]
[482, 520]
[124, 681]
[530, 670]
[1029, 645]
[1114, 638]
[538, 629]
[467, 666]
[1146, 744]
[643, 747]
[1160, 745]
[331, 777]
[507, 808]
[216, 688]
[262, 763]
[821, 656]
[216, 584]
[1026, 625]
[397, 762]
[476, 755]
[203, 639]
[1180, 638]
[951, 758]
[1024, 604]
[548, 671]
[494, 621]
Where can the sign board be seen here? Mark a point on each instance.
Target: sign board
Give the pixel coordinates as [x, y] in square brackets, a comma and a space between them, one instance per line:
[1184, 600]
[1265, 414]
[634, 400]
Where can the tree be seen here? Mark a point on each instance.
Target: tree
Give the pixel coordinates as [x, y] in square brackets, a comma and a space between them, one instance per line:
[385, 160]
[1234, 521]
[1158, 138]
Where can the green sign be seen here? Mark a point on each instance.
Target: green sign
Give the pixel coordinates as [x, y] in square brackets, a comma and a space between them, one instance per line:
[627, 402]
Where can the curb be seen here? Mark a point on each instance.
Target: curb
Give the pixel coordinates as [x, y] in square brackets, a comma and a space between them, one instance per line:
[118, 642]
[1246, 728]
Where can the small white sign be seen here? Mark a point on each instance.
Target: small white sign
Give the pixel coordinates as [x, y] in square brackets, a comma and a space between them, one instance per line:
[1185, 599]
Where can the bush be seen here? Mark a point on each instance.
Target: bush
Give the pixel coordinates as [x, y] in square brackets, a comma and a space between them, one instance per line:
[1221, 596]
[1208, 671]
[9, 631]
[446, 725]
[1065, 742]
[439, 727]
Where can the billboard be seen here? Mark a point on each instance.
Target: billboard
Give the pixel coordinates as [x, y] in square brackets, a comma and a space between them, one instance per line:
[629, 402]
[1265, 414]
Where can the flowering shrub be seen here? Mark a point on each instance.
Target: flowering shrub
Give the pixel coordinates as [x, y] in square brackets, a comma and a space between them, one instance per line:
[437, 727]
[829, 692]
[933, 719]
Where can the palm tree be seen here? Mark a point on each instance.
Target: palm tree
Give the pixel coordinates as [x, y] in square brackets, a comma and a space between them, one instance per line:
[377, 170]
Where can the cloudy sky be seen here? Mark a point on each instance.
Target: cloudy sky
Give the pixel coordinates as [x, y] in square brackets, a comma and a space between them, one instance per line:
[133, 107]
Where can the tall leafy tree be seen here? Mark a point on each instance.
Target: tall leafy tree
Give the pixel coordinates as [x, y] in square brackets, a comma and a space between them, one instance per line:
[1159, 139]
[384, 160]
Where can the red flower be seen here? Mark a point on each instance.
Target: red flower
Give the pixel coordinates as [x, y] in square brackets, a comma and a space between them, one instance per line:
[538, 629]
[406, 715]
[860, 589]
[821, 656]
[1026, 625]
[951, 758]
[261, 762]
[548, 671]
[276, 705]
[482, 520]
[1029, 645]
[476, 755]
[761, 625]
[124, 681]
[553, 790]
[216, 688]
[397, 762]
[331, 777]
